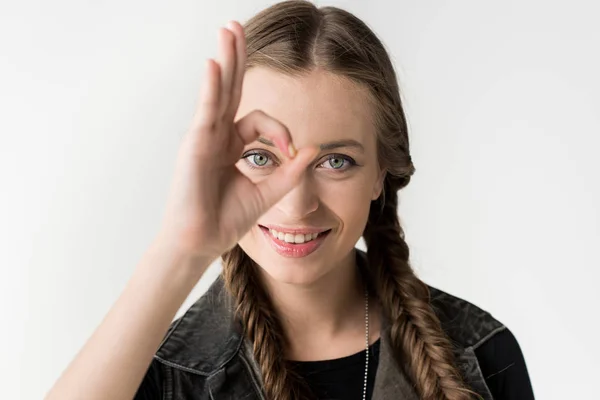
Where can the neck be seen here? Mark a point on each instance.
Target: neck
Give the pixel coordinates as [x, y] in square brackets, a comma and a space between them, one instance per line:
[331, 310]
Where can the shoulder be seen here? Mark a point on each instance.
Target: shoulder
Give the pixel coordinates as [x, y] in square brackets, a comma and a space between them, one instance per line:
[467, 324]
[499, 360]
[206, 337]
[204, 354]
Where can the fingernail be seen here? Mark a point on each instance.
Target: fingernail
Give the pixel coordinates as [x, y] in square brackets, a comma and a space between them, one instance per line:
[291, 150]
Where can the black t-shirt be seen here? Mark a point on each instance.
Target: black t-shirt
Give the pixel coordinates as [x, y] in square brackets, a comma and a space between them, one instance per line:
[341, 378]
[500, 359]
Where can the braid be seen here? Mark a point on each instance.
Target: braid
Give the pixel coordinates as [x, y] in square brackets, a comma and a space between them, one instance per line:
[294, 37]
[415, 330]
[262, 327]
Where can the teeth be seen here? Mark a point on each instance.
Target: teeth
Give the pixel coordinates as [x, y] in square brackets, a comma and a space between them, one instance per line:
[291, 238]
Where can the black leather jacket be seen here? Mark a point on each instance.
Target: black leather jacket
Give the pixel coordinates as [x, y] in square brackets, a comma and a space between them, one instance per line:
[204, 354]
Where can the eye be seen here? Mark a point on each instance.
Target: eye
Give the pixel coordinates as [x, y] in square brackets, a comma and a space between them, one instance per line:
[259, 159]
[336, 162]
[256, 159]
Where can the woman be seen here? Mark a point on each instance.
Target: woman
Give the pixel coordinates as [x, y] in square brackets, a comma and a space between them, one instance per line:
[298, 311]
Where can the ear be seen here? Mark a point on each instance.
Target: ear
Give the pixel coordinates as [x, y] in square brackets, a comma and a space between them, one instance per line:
[378, 187]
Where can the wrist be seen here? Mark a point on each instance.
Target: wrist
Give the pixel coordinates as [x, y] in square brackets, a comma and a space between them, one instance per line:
[173, 260]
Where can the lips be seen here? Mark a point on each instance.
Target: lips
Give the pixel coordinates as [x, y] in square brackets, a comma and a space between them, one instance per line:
[294, 249]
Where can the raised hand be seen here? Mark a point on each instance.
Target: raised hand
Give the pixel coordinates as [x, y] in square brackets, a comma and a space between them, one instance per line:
[211, 204]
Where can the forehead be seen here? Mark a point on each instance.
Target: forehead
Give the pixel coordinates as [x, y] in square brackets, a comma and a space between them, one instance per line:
[316, 107]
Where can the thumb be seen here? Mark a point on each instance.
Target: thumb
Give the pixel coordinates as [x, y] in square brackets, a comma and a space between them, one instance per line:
[272, 189]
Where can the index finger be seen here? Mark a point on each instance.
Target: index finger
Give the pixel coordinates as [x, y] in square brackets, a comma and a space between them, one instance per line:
[258, 123]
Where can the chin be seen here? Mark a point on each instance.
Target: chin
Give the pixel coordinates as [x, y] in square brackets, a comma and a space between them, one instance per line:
[293, 273]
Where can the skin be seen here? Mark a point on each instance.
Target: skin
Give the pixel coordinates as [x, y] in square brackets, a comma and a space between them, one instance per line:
[321, 290]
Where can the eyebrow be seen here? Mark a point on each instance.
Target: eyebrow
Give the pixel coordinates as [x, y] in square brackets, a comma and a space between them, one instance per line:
[324, 146]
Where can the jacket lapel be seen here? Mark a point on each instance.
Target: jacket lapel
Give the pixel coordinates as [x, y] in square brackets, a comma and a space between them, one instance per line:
[390, 381]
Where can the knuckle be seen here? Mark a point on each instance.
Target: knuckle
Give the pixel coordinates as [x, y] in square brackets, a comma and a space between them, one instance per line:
[258, 113]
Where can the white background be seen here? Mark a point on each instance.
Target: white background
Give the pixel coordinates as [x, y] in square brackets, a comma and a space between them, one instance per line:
[503, 105]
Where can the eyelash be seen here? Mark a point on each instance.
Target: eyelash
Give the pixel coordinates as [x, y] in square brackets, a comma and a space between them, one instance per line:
[350, 160]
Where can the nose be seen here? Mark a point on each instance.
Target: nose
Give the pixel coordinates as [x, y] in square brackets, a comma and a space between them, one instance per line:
[299, 202]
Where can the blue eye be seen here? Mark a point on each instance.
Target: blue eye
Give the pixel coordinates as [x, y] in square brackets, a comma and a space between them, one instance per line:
[336, 161]
[258, 160]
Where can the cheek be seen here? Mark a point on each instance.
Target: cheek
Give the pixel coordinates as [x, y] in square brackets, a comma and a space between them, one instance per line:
[349, 199]
[248, 172]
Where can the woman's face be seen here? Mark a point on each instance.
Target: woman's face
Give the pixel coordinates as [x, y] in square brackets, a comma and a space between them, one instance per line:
[336, 191]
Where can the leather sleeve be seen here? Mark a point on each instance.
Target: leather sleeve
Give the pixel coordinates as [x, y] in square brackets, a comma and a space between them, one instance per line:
[503, 366]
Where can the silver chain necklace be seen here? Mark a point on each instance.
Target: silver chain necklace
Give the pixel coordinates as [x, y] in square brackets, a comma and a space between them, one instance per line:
[367, 343]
